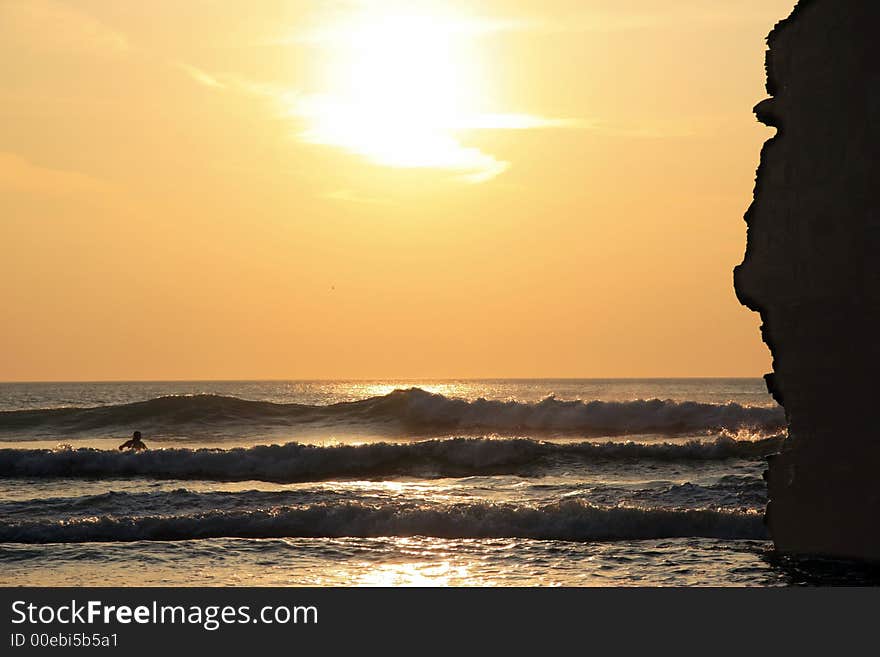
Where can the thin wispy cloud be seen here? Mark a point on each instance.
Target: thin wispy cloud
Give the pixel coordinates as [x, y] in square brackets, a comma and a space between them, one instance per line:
[398, 89]
[19, 175]
[388, 134]
[51, 26]
[200, 76]
[363, 130]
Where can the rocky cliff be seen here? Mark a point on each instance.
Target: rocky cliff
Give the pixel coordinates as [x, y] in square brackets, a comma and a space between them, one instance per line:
[812, 270]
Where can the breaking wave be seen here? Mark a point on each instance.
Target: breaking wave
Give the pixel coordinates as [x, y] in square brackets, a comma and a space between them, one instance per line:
[296, 462]
[570, 520]
[410, 411]
[732, 492]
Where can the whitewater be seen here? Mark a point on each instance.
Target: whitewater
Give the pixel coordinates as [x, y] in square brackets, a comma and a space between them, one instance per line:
[505, 482]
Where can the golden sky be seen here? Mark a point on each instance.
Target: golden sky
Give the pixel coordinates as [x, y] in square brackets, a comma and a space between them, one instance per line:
[371, 189]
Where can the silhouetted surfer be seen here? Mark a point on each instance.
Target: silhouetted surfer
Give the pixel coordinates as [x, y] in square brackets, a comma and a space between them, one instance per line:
[135, 443]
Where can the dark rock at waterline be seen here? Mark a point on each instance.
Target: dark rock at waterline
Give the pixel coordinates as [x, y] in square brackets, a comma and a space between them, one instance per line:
[812, 270]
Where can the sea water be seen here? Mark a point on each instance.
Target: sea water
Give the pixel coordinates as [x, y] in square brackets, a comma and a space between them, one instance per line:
[288, 483]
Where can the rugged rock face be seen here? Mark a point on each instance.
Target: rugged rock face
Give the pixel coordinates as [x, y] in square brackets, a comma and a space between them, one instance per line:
[812, 270]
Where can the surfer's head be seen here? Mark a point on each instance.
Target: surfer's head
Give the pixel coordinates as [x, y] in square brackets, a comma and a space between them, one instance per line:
[136, 435]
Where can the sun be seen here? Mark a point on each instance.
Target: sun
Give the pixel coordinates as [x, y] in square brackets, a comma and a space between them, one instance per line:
[400, 90]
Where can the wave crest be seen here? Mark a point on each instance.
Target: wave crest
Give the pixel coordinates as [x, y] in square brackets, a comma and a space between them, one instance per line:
[296, 462]
[412, 411]
[570, 520]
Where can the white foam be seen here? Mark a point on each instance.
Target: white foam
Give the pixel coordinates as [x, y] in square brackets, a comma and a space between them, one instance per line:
[569, 520]
[298, 462]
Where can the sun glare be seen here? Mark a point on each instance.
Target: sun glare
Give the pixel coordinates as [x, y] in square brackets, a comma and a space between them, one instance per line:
[401, 90]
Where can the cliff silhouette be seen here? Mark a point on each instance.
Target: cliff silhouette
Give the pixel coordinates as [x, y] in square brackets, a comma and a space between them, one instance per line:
[812, 271]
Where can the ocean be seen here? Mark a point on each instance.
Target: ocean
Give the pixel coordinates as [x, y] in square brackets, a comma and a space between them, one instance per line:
[391, 483]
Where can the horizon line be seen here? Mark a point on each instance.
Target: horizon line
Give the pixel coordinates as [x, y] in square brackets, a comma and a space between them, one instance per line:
[390, 379]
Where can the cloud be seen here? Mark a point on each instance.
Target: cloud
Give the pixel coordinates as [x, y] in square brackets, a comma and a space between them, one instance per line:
[399, 93]
[200, 76]
[401, 96]
[49, 26]
[21, 176]
[402, 139]
[382, 134]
